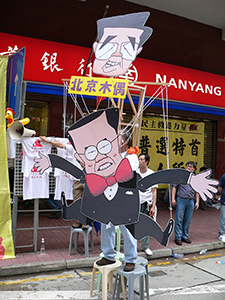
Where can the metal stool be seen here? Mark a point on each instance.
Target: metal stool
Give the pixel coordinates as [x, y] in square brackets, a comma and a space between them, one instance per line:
[144, 262]
[106, 271]
[139, 271]
[85, 233]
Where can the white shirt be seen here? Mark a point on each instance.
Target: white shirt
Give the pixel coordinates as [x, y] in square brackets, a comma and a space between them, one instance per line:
[31, 148]
[146, 196]
[133, 160]
[11, 145]
[35, 185]
[64, 181]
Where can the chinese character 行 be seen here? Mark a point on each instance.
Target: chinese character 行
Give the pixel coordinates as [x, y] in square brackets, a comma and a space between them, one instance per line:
[82, 67]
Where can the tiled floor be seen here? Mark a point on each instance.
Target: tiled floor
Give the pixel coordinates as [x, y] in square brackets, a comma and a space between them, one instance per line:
[203, 229]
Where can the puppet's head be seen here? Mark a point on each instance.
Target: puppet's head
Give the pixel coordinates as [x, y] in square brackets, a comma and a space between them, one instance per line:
[95, 141]
[120, 40]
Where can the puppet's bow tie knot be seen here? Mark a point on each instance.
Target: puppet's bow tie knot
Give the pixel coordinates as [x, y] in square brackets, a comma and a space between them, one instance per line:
[97, 184]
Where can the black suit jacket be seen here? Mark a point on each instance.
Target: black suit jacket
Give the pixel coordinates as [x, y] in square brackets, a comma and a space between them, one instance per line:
[125, 206]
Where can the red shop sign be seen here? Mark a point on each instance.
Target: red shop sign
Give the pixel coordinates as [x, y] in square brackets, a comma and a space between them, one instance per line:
[50, 62]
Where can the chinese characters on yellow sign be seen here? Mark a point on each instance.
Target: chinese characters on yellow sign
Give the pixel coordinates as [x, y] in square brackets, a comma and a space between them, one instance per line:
[95, 86]
[186, 142]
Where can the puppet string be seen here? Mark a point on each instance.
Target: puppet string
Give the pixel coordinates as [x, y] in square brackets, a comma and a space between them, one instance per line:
[159, 91]
[74, 98]
[166, 133]
[148, 103]
[85, 104]
[64, 108]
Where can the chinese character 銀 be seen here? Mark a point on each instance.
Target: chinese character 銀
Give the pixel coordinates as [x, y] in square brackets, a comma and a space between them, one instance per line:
[50, 62]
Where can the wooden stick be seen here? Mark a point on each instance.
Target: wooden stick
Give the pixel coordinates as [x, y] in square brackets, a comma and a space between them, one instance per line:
[118, 102]
[121, 112]
[131, 102]
[113, 102]
[135, 86]
[137, 130]
[127, 124]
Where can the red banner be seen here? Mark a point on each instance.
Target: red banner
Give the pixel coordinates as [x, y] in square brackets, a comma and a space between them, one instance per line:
[50, 62]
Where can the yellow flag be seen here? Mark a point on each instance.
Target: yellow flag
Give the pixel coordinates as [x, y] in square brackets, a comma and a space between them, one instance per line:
[6, 240]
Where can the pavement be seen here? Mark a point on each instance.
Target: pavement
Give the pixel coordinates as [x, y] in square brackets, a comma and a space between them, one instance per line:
[203, 234]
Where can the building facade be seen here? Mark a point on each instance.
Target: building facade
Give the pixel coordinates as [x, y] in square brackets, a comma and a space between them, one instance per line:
[186, 54]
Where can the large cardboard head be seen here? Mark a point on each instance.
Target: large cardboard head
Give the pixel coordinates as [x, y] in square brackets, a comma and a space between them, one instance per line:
[95, 140]
[120, 40]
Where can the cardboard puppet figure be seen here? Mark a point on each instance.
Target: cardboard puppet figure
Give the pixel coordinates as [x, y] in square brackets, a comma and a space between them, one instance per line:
[111, 192]
[120, 40]
[111, 187]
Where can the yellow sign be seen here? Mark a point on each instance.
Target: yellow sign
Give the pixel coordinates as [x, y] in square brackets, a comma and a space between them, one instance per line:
[6, 241]
[95, 86]
[185, 143]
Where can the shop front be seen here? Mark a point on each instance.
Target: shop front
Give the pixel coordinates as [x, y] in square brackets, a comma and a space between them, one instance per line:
[195, 98]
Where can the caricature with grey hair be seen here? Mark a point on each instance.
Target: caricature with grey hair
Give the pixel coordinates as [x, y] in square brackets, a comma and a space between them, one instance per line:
[120, 40]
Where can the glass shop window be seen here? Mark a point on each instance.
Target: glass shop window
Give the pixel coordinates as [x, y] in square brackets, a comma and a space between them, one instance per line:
[38, 113]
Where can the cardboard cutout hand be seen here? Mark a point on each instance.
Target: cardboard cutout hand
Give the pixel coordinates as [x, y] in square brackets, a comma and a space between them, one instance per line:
[204, 186]
[42, 163]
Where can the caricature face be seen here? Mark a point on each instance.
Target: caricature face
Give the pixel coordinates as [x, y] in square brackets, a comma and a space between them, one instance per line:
[97, 147]
[116, 50]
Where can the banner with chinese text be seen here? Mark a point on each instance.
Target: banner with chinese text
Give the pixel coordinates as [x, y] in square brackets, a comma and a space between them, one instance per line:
[186, 143]
[95, 86]
[6, 241]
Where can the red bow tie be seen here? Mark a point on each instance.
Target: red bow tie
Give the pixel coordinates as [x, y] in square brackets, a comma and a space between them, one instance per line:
[97, 184]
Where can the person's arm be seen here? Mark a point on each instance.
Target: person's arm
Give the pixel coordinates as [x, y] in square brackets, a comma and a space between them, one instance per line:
[196, 201]
[52, 142]
[154, 199]
[173, 200]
